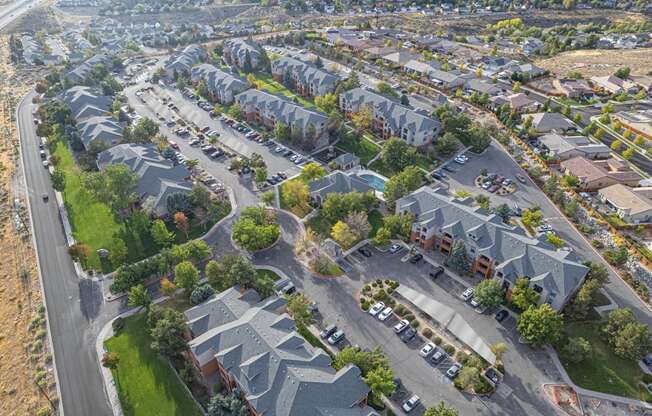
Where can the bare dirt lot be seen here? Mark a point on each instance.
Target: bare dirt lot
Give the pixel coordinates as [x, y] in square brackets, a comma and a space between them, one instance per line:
[25, 363]
[599, 62]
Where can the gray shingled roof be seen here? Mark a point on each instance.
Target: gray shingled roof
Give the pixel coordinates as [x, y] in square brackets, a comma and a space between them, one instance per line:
[79, 74]
[99, 129]
[183, 62]
[545, 122]
[218, 80]
[307, 74]
[239, 47]
[158, 178]
[279, 373]
[86, 102]
[340, 183]
[282, 109]
[515, 254]
[395, 114]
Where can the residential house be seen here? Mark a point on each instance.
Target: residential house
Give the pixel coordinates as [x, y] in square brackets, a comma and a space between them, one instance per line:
[346, 161]
[99, 131]
[79, 74]
[518, 102]
[182, 63]
[158, 178]
[567, 147]
[573, 88]
[307, 80]
[525, 71]
[633, 205]
[597, 174]
[390, 118]
[531, 46]
[267, 109]
[399, 59]
[481, 86]
[222, 87]
[236, 51]
[495, 249]
[87, 102]
[548, 122]
[449, 80]
[639, 122]
[642, 81]
[614, 85]
[255, 351]
[337, 182]
[424, 69]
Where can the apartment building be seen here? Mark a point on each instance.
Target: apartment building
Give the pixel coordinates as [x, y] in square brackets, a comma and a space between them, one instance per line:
[391, 119]
[222, 87]
[236, 51]
[307, 80]
[495, 249]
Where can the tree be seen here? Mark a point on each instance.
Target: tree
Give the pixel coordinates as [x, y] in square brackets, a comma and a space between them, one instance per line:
[616, 145]
[281, 131]
[577, 349]
[366, 361]
[362, 118]
[570, 181]
[312, 171]
[447, 144]
[489, 292]
[358, 222]
[632, 341]
[405, 100]
[459, 258]
[295, 196]
[58, 180]
[230, 405]
[168, 329]
[186, 276]
[467, 377]
[79, 252]
[110, 360]
[623, 73]
[179, 202]
[236, 112]
[555, 240]
[118, 252]
[504, 212]
[396, 154]
[532, 218]
[326, 103]
[386, 89]
[161, 235]
[381, 381]
[541, 325]
[318, 62]
[181, 222]
[569, 4]
[260, 175]
[523, 296]
[343, 235]
[628, 153]
[499, 350]
[299, 308]
[337, 206]
[483, 201]
[142, 132]
[441, 409]
[139, 297]
[402, 184]
[167, 287]
[617, 320]
[256, 229]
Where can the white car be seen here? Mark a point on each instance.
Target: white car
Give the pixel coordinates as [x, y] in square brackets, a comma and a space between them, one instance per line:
[475, 303]
[375, 310]
[401, 325]
[279, 149]
[386, 313]
[468, 294]
[544, 228]
[459, 160]
[395, 248]
[427, 349]
[411, 403]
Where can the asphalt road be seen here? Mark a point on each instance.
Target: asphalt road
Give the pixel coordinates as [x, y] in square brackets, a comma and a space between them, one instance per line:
[13, 11]
[74, 306]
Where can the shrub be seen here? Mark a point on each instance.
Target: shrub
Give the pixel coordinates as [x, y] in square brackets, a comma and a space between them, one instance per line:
[365, 307]
[200, 294]
[647, 378]
[427, 332]
[374, 284]
[117, 324]
[482, 386]
[437, 340]
[379, 282]
[414, 323]
[409, 316]
[399, 310]
[450, 350]
[462, 357]
[597, 244]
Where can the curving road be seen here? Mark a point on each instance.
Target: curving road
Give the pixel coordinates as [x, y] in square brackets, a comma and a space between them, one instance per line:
[11, 12]
[73, 305]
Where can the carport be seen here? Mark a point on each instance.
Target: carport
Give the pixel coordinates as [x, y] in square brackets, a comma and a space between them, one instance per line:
[449, 320]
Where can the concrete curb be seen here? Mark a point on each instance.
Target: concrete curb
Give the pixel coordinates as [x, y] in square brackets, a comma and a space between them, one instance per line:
[38, 263]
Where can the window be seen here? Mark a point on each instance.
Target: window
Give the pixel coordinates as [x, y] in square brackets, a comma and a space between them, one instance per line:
[537, 288]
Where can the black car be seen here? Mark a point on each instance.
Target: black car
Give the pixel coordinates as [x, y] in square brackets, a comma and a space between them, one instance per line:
[449, 169]
[436, 175]
[492, 375]
[364, 251]
[416, 258]
[409, 335]
[328, 331]
[436, 271]
[500, 316]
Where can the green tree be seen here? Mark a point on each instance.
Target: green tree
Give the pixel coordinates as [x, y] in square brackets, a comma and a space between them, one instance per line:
[541, 325]
[402, 184]
[467, 377]
[186, 276]
[381, 381]
[489, 292]
[161, 235]
[441, 409]
[523, 296]
[260, 175]
[299, 308]
[628, 153]
[504, 212]
[623, 72]
[168, 330]
[632, 341]
[110, 360]
[555, 240]
[236, 112]
[327, 103]
[281, 131]
[202, 89]
[231, 405]
[396, 154]
[256, 229]
[118, 253]
[447, 144]
[616, 145]
[295, 196]
[366, 361]
[386, 89]
[58, 180]
[570, 181]
[312, 171]
[139, 297]
[577, 349]
[459, 258]
[532, 218]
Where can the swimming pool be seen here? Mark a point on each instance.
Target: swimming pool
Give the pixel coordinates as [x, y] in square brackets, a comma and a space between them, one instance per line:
[374, 181]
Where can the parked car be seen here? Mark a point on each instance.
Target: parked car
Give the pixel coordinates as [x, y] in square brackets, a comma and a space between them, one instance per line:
[427, 349]
[453, 371]
[438, 356]
[468, 294]
[337, 336]
[282, 175]
[436, 175]
[395, 248]
[493, 188]
[475, 303]
[195, 142]
[492, 375]
[501, 315]
[544, 228]
[411, 403]
[416, 258]
[521, 178]
[375, 309]
[364, 251]
[401, 326]
[328, 331]
[449, 169]
[45, 197]
[385, 314]
[408, 335]
[435, 271]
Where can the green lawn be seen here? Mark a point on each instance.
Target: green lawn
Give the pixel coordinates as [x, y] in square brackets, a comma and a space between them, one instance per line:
[267, 274]
[93, 222]
[376, 220]
[146, 383]
[364, 148]
[604, 371]
[268, 84]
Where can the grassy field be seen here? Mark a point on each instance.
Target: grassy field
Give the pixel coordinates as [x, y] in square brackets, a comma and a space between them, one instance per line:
[364, 148]
[93, 223]
[267, 274]
[146, 383]
[267, 83]
[604, 371]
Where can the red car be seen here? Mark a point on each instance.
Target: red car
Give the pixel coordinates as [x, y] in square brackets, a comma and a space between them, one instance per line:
[493, 188]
